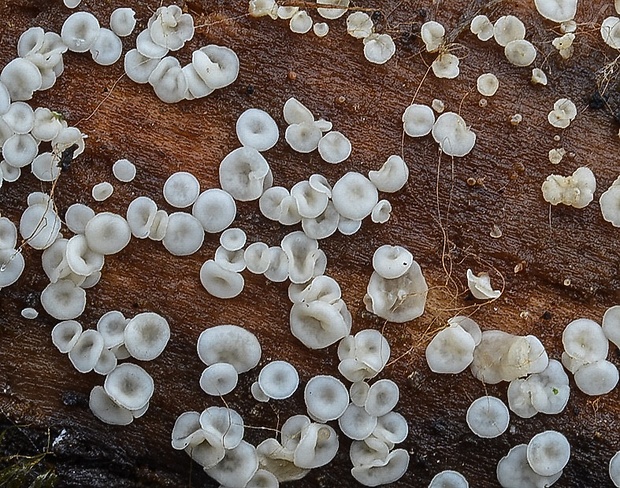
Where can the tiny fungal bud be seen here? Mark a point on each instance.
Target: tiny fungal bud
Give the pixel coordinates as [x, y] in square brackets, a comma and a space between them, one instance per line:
[516, 119]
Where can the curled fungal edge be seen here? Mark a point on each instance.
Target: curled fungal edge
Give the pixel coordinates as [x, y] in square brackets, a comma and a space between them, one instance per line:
[480, 286]
[452, 134]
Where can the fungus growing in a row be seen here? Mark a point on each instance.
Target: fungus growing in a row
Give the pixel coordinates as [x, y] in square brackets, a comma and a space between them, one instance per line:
[488, 417]
[480, 286]
[576, 190]
[452, 134]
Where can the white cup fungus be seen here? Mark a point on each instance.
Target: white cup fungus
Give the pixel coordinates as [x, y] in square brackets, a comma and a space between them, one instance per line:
[256, 128]
[391, 262]
[123, 21]
[102, 191]
[80, 258]
[295, 112]
[196, 86]
[170, 27]
[107, 49]
[480, 286]
[19, 117]
[451, 350]
[5, 99]
[576, 190]
[310, 202]
[392, 428]
[243, 174]
[317, 447]
[481, 27]
[418, 120]
[46, 124]
[446, 65]
[215, 209]
[334, 147]
[548, 453]
[320, 29]
[111, 325]
[318, 324]
[326, 398]
[557, 10]
[139, 67]
[520, 52]
[107, 233]
[140, 216]
[354, 196]
[368, 451]
[270, 202]
[12, 266]
[488, 417]
[181, 189]
[106, 363]
[359, 25]
[356, 423]
[9, 173]
[513, 470]
[278, 380]
[29, 313]
[508, 28]
[229, 344]
[584, 339]
[279, 461]
[8, 234]
[383, 470]
[129, 386]
[44, 167]
[448, 479]
[392, 176]
[233, 239]
[86, 351]
[106, 410]
[80, 31]
[614, 469]
[538, 77]
[332, 12]
[322, 226]
[278, 270]
[546, 392]
[432, 34]
[597, 377]
[300, 22]
[168, 81]
[63, 300]
[184, 430]
[146, 336]
[218, 66]
[303, 137]
[302, 253]
[285, 12]
[379, 48]
[256, 257]
[19, 150]
[220, 282]
[487, 84]
[159, 226]
[610, 323]
[382, 397]
[452, 134]
[219, 379]
[21, 78]
[563, 113]
[237, 467]
[363, 356]
[609, 203]
[65, 335]
[184, 234]
[230, 260]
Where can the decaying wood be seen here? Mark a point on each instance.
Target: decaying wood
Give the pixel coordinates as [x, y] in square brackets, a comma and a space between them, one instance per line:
[554, 264]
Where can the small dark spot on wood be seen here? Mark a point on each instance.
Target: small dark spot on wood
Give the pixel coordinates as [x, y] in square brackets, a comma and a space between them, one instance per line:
[546, 315]
[74, 399]
[249, 90]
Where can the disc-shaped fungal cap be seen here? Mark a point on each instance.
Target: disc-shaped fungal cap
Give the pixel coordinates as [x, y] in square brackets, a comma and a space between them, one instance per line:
[418, 120]
[19, 117]
[610, 325]
[123, 21]
[382, 397]
[332, 12]
[614, 469]
[5, 99]
[449, 479]
[12, 265]
[300, 22]
[278, 380]
[256, 128]
[111, 325]
[215, 209]
[610, 32]
[141, 214]
[310, 202]
[19, 150]
[520, 399]
[451, 350]
[139, 67]
[508, 28]
[356, 423]
[326, 398]
[480, 286]
[549, 390]
[322, 226]
[63, 300]
[597, 378]
[80, 31]
[482, 27]
[168, 80]
[334, 147]
[318, 324]
[233, 239]
[146, 336]
[218, 66]
[220, 282]
[392, 176]
[8, 234]
[317, 447]
[354, 196]
[452, 134]
[80, 258]
[520, 52]
[610, 203]
[223, 425]
[184, 430]
[379, 48]
[548, 453]
[487, 84]
[488, 417]
[446, 65]
[263, 479]
[219, 379]
[170, 27]
[102, 191]
[303, 137]
[383, 471]
[184, 234]
[129, 386]
[381, 212]
[107, 49]
[44, 167]
[85, 353]
[107, 233]
[21, 78]
[360, 25]
[514, 471]
[557, 10]
[256, 257]
[106, 410]
[391, 261]
[295, 112]
[229, 344]
[65, 335]
[237, 467]
[124, 170]
[181, 189]
[584, 339]
[243, 173]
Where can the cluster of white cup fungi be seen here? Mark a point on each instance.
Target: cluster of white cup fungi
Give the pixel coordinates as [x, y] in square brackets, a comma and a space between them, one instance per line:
[576, 190]
[378, 48]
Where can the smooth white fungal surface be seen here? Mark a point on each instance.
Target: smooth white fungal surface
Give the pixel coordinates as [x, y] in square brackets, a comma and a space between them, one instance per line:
[111, 325]
[181, 189]
[480, 286]
[219, 379]
[451, 350]
[107, 49]
[548, 453]
[102, 191]
[21, 79]
[139, 67]
[418, 120]
[446, 65]
[584, 339]
[449, 479]
[354, 196]
[383, 470]
[146, 336]
[86, 351]
[557, 10]
[359, 25]
[487, 84]
[563, 113]
[452, 134]
[218, 66]
[184, 234]
[300, 22]
[379, 48]
[332, 12]
[488, 417]
[220, 282]
[12, 266]
[106, 410]
[65, 335]
[482, 27]
[508, 28]
[334, 147]
[278, 379]
[244, 174]
[513, 471]
[123, 21]
[256, 128]
[382, 397]
[141, 214]
[63, 300]
[107, 233]
[80, 31]
[326, 398]
[215, 209]
[614, 469]
[129, 386]
[432, 33]
[597, 378]
[229, 344]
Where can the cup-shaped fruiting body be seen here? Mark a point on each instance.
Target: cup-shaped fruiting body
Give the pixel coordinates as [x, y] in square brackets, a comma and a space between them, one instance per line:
[310, 202]
[184, 234]
[8, 234]
[449, 479]
[65, 335]
[480, 286]
[584, 340]
[222, 425]
[360, 25]
[107, 233]
[446, 65]
[322, 226]
[520, 52]
[168, 80]
[487, 84]
[219, 379]
[80, 31]
[295, 112]
[184, 430]
[611, 324]
[363, 356]
[159, 226]
[354, 196]
[482, 27]
[139, 67]
[546, 392]
[382, 397]
[597, 378]
[303, 255]
[102, 191]
[46, 124]
[513, 470]
[170, 27]
[44, 167]
[319, 324]
[576, 190]
[300, 22]
[244, 174]
[451, 350]
[19, 150]
[391, 428]
[317, 447]
[432, 33]
[181, 189]
[218, 66]
[256, 128]
[220, 282]
[215, 209]
[19, 117]
[140, 216]
[610, 203]
[237, 467]
[124, 170]
[146, 336]
[123, 21]
[107, 49]
[392, 176]
[63, 300]
[12, 265]
[106, 410]
[488, 417]
[379, 48]
[610, 32]
[278, 265]
[452, 134]
[303, 137]
[129, 386]
[279, 461]
[334, 147]
[326, 398]
[391, 262]
[557, 10]
[418, 120]
[111, 325]
[548, 453]
[278, 380]
[563, 113]
[614, 469]
[80, 258]
[86, 351]
[397, 300]
[508, 28]
[229, 344]
[383, 470]
[332, 12]
[356, 423]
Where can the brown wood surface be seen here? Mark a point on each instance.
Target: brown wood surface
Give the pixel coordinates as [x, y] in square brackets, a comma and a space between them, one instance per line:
[569, 257]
